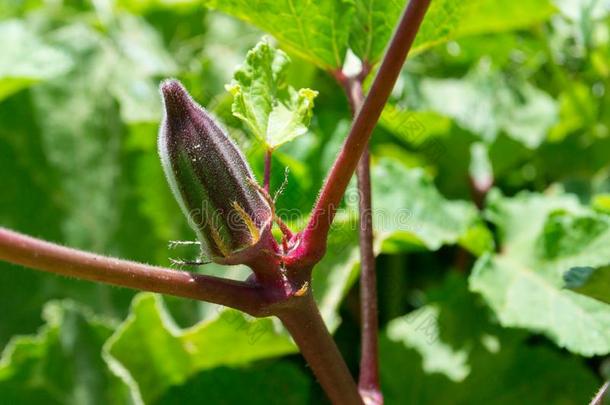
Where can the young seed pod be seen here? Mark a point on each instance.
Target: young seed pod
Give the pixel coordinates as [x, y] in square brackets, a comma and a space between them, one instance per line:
[210, 179]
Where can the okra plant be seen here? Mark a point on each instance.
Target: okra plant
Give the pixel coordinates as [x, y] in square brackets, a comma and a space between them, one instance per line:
[539, 260]
[232, 215]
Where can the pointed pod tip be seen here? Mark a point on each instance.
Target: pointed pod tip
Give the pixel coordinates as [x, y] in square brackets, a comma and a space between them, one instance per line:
[175, 97]
[171, 87]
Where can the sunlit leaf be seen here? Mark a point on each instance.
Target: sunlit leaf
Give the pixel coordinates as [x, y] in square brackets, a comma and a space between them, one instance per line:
[541, 238]
[445, 20]
[485, 103]
[275, 112]
[448, 351]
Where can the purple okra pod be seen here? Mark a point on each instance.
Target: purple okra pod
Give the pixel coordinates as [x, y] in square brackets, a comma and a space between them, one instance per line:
[211, 180]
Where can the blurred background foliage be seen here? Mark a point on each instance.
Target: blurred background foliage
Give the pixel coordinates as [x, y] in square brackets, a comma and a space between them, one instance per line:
[473, 298]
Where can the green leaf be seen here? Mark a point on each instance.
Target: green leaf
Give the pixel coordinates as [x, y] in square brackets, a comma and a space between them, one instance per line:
[486, 103]
[375, 22]
[445, 20]
[593, 282]
[416, 128]
[478, 239]
[448, 351]
[576, 110]
[65, 133]
[541, 238]
[63, 363]
[409, 210]
[275, 112]
[526, 297]
[26, 59]
[317, 31]
[258, 384]
[494, 16]
[419, 330]
[572, 239]
[152, 354]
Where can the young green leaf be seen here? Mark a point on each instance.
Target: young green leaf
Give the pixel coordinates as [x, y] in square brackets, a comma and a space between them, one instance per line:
[275, 112]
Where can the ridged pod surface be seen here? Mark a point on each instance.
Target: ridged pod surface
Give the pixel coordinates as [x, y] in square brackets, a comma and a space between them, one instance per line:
[210, 178]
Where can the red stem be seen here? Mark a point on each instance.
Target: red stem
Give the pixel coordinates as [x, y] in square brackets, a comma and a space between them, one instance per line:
[41, 255]
[369, 362]
[267, 176]
[307, 328]
[314, 236]
[368, 383]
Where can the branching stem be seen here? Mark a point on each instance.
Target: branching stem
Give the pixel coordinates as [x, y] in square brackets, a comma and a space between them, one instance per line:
[315, 234]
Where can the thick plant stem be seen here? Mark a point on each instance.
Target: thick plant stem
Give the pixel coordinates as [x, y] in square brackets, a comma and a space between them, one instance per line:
[305, 324]
[314, 236]
[41, 255]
